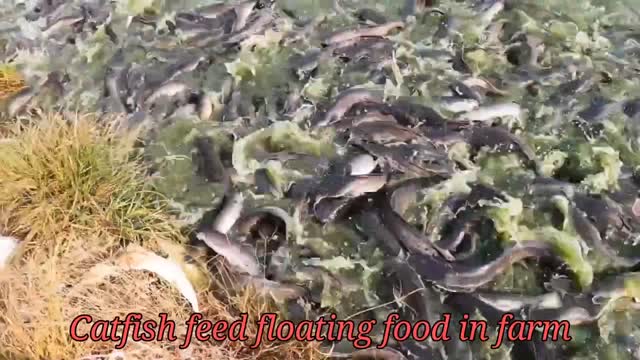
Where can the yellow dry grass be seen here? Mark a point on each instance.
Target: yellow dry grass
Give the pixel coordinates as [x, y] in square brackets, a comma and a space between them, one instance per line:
[11, 81]
[68, 177]
[75, 194]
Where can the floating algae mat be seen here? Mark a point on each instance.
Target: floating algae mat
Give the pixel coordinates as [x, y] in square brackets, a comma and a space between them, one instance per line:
[364, 158]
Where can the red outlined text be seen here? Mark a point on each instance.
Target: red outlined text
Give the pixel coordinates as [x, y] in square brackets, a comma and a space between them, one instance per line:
[269, 328]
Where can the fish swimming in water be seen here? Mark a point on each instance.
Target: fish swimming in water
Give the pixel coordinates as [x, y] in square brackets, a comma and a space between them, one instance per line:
[240, 256]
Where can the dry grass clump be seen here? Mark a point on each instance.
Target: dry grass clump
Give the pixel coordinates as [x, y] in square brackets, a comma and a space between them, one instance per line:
[68, 176]
[247, 301]
[77, 197]
[40, 299]
[11, 81]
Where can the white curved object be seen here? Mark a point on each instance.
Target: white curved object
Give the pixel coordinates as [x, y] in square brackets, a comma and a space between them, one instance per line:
[137, 258]
[140, 259]
[8, 246]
